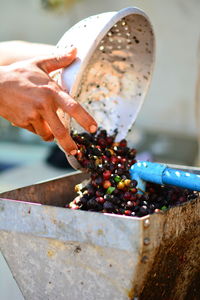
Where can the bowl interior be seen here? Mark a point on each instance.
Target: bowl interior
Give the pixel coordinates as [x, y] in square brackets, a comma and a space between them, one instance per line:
[111, 81]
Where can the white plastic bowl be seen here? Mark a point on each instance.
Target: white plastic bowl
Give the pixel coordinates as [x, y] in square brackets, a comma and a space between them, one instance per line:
[113, 69]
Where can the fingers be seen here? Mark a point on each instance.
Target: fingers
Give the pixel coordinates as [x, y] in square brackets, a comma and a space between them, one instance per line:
[28, 127]
[61, 133]
[75, 110]
[43, 130]
[54, 62]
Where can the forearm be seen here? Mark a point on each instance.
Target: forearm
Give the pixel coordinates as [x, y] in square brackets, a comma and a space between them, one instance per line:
[13, 51]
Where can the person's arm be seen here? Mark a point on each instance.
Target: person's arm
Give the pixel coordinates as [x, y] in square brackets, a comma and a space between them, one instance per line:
[30, 99]
[13, 51]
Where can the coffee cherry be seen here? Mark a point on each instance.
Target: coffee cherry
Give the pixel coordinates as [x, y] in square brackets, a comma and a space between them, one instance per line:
[133, 183]
[133, 190]
[133, 198]
[120, 171]
[108, 206]
[106, 174]
[109, 140]
[110, 188]
[92, 203]
[127, 212]
[117, 178]
[91, 190]
[123, 143]
[99, 180]
[114, 159]
[127, 195]
[120, 185]
[100, 200]
[132, 153]
[127, 182]
[101, 142]
[106, 184]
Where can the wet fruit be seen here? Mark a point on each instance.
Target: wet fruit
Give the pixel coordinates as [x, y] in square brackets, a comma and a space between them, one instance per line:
[110, 189]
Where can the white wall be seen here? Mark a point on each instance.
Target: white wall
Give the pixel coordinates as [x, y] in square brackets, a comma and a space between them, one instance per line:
[170, 104]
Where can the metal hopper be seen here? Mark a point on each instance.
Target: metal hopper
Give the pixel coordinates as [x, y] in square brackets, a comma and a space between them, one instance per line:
[57, 253]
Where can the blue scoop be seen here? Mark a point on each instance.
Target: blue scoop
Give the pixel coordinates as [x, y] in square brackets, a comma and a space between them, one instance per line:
[162, 174]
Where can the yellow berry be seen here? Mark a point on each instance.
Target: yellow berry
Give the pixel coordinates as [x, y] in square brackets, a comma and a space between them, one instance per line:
[120, 185]
[127, 182]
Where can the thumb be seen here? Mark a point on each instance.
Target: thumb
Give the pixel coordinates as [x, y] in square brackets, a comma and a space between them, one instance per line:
[54, 62]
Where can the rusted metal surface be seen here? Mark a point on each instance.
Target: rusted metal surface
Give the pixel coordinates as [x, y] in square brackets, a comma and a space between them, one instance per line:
[56, 253]
[173, 263]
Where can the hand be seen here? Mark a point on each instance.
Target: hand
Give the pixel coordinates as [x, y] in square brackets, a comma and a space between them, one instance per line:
[30, 99]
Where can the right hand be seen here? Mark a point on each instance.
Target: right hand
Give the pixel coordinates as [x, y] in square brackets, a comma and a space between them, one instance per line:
[29, 99]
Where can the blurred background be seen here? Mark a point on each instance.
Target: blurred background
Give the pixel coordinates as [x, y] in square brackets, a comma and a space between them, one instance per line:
[167, 128]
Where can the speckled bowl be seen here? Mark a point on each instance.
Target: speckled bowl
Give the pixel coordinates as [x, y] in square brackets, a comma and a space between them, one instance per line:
[113, 69]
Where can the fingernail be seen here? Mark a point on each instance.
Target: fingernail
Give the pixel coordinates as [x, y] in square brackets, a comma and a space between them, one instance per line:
[93, 128]
[73, 152]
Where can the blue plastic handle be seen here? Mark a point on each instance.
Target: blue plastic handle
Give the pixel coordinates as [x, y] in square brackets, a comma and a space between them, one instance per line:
[162, 174]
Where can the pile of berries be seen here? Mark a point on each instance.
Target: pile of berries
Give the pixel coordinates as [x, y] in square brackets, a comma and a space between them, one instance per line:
[110, 189]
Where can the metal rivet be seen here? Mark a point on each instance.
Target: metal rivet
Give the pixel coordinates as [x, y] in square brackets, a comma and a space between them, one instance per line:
[145, 259]
[146, 241]
[146, 223]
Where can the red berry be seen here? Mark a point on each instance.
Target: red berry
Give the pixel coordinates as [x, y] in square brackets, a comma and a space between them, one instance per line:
[109, 140]
[114, 159]
[133, 161]
[127, 195]
[151, 190]
[133, 190]
[101, 142]
[100, 200]
[123, 160]
[127, 212]
[104, 157]
[106, 174]
[123, 143]
[133, 198]
[106, 184]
